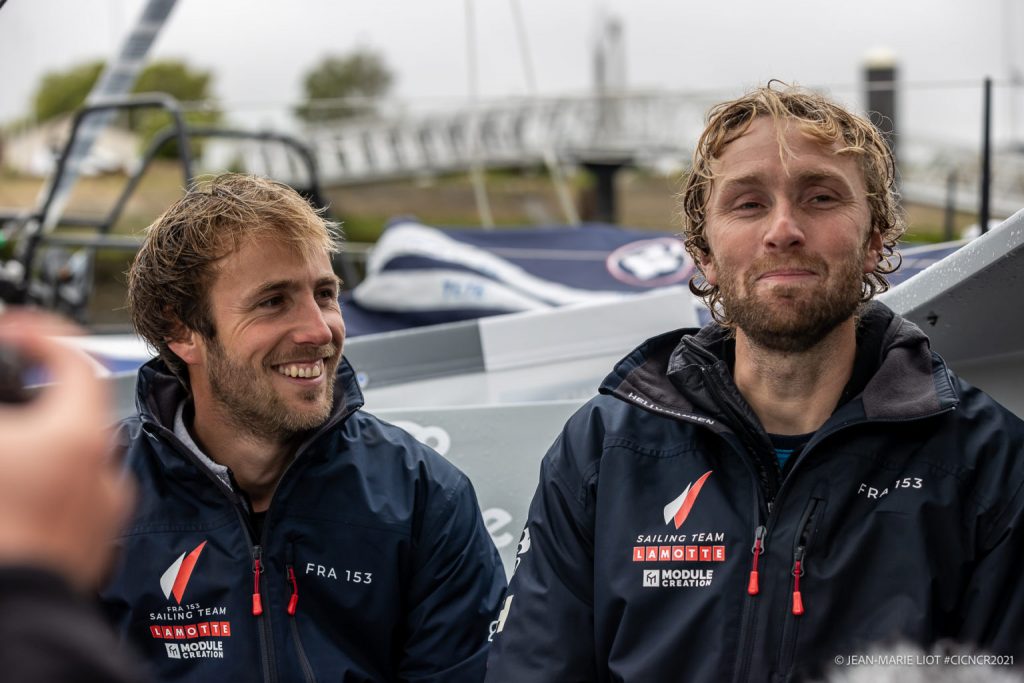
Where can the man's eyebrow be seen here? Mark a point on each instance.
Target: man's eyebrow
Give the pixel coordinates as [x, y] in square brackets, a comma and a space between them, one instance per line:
[272, 286]
[806, 176]
[740, 181]
[813, 176]
[332, 280]
[264, 288]
[745, 179]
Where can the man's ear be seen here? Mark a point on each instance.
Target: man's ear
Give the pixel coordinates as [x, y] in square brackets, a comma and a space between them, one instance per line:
[707, 267]
[873, 251]
[186, 345]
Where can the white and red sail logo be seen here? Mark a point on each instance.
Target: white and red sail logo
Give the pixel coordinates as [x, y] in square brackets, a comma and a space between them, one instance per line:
[679, 509]
[175, 579]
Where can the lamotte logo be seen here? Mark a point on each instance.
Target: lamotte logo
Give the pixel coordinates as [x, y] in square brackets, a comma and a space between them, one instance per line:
[679, 509]
[175, 579]
[650, 263]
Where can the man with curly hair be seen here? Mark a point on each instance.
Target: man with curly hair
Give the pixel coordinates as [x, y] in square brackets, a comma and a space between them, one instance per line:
[797, 481]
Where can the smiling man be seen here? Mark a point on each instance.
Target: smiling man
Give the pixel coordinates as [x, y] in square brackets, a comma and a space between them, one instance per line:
[798, 481]
[282, 533]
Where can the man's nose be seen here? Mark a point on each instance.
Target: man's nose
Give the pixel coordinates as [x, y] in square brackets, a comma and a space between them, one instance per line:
[784, 230]
[312, 324]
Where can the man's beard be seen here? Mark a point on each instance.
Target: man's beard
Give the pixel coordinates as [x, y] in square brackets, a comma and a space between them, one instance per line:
[257, 408]
[792, 318]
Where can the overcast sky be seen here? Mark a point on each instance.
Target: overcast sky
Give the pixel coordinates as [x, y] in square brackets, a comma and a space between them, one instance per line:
[260, 49]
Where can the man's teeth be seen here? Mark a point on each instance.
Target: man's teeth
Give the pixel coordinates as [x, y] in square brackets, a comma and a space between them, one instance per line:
[302, 370]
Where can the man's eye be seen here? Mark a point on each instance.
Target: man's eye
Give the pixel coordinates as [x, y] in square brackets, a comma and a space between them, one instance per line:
[271, 302]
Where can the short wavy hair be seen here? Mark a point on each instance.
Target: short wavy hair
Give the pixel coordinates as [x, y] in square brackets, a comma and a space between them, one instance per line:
[170, 278]
[824, 121]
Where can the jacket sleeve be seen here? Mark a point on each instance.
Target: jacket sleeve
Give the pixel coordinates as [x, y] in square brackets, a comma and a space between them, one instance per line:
[545, 631]
[993, 608]
[454, 594]
[49, 633]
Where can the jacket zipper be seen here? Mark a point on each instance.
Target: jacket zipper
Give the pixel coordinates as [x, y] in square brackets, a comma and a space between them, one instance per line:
[765, 487]
[293, 601]
[262, 624]
[750, 605]
[257, 597]
[798, 571]
[797, 607]
[753, 583]
[293, 608]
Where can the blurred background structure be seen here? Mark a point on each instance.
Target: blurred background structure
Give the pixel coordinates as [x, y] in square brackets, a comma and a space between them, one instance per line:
[517, 113]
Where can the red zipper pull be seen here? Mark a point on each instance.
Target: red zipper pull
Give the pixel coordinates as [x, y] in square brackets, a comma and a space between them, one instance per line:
[798, 571]
[752, 585]
[257, 569]
[293, 602]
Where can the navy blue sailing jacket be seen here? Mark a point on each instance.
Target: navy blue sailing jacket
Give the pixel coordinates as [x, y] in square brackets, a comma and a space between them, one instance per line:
[373, 563]
[664, 544]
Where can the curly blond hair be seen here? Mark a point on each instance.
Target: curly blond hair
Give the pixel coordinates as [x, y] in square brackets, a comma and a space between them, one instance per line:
[170, 278]
[822, 120]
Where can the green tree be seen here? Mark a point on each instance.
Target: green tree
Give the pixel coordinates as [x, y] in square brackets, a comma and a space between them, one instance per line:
[361, 76]
[183, 83]
[62, 92]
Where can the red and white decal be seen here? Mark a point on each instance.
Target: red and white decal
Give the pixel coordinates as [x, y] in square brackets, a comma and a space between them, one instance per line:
[679, 509]
[176, 578]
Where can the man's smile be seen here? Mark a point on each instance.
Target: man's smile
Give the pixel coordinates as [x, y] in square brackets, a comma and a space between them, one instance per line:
[309, 369]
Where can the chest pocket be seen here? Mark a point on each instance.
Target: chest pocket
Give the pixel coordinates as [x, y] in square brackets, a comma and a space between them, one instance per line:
[353, 568]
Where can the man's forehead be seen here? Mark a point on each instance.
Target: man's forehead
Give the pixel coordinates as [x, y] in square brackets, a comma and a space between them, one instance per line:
[261, 244]
[277, 259]
[786, 132]
[787, 142]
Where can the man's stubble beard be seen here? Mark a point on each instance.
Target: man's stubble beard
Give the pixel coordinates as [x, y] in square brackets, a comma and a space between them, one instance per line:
[787, 318]
[252, 405]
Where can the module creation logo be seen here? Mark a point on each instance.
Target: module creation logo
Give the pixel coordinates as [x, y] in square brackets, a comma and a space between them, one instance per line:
[670, 550]
[190, 630]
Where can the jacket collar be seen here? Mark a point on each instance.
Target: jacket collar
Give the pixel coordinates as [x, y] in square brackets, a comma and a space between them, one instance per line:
[896, 376]
[158, 394]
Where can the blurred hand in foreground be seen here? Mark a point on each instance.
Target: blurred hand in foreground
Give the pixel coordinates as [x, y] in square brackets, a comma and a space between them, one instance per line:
[62, 498]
